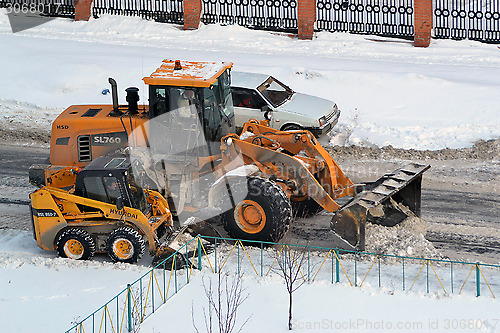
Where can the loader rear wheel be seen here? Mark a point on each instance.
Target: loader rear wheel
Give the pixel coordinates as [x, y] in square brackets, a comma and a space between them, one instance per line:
[75, 244]
[305, 208]
[125, 245]
[264, 214]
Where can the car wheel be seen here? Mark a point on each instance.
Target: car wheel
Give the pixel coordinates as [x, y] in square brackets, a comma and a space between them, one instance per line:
[291, 127]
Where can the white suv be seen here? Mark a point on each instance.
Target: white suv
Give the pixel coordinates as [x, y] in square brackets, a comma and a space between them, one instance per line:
[255, 94]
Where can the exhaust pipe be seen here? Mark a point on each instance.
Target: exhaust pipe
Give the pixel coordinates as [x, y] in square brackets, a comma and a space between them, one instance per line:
[114, 95]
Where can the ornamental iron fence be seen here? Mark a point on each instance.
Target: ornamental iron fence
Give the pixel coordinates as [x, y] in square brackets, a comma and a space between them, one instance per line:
[378, 17]
[164, 11]
[475, 19]
[278, 15]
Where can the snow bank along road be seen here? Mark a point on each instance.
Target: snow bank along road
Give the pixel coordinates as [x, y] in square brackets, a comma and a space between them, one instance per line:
[460, 197]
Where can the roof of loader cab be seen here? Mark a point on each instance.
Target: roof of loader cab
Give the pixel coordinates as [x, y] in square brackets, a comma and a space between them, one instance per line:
[187, 73]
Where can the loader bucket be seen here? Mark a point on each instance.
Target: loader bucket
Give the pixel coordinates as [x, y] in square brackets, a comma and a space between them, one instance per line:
[387, 201]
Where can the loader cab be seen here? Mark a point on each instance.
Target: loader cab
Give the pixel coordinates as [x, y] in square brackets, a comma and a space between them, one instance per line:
[192, 96]
[110, 179]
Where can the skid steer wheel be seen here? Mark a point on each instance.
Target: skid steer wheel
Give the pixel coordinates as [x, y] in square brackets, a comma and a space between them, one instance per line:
[75, 244]
[264, 214]
[305, 207]
[125, 245]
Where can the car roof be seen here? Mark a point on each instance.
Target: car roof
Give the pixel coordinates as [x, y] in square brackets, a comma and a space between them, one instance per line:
[247, 80]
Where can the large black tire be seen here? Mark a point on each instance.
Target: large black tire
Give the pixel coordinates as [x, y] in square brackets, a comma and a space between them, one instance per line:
[305, 208]
[264, 214]
[75, 244]
[125, 245]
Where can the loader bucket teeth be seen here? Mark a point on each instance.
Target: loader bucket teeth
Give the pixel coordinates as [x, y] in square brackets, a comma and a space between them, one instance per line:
[388, 202]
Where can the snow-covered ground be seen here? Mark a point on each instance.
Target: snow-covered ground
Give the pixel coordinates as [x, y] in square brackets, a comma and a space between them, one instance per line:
[54, 293]
[390, 93]
[323, 307]
[42, 293]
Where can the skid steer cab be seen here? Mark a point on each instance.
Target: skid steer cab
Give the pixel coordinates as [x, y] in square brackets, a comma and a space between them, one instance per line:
[105, 211]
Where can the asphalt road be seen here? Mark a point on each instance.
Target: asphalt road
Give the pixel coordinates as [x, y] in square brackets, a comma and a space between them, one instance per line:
[463, 219]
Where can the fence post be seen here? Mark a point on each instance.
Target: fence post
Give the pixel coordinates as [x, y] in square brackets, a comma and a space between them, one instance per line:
[337, 266]
[427, 274]
[261, 258]
[423, 22]
[306, 16]
[129, 308]
[83, 10]
[308, 265]
[355, 269]
[215, 264]
[192, 14]
[478, 281]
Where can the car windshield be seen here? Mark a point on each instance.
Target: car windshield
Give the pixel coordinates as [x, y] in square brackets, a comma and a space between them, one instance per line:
[275, 92]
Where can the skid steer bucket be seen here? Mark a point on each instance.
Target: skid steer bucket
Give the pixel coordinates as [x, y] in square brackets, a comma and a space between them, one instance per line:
[388, 201]
[183, 235]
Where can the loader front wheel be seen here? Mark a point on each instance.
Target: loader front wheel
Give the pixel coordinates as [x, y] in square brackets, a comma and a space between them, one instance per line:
[263, 215]
[125, 245]
[75, 244]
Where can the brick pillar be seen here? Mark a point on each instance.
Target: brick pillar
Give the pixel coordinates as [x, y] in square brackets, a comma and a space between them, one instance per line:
[83, 9]
[192, 14]
[306, 15]
[423, 22]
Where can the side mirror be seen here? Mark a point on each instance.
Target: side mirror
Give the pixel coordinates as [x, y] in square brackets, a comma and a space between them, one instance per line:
[119, 203]
[268, 115]
[265, 108]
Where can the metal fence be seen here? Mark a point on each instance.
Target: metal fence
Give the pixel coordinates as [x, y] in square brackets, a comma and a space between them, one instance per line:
[57, 8]
[165, 11]
[379, 17]
[127, 310]
[280, 15]
[475, 20]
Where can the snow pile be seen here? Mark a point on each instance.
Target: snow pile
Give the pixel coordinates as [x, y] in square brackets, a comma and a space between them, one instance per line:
[406, 239]
[26, 121]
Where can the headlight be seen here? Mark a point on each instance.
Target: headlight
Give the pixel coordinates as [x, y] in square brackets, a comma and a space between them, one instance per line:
[322, 121]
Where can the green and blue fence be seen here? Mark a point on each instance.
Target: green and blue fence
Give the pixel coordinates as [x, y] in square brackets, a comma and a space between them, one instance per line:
[140, 299]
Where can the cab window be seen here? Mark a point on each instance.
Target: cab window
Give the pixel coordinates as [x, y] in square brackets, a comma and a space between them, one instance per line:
[112, 188]
[104, 189]
[183, 100]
